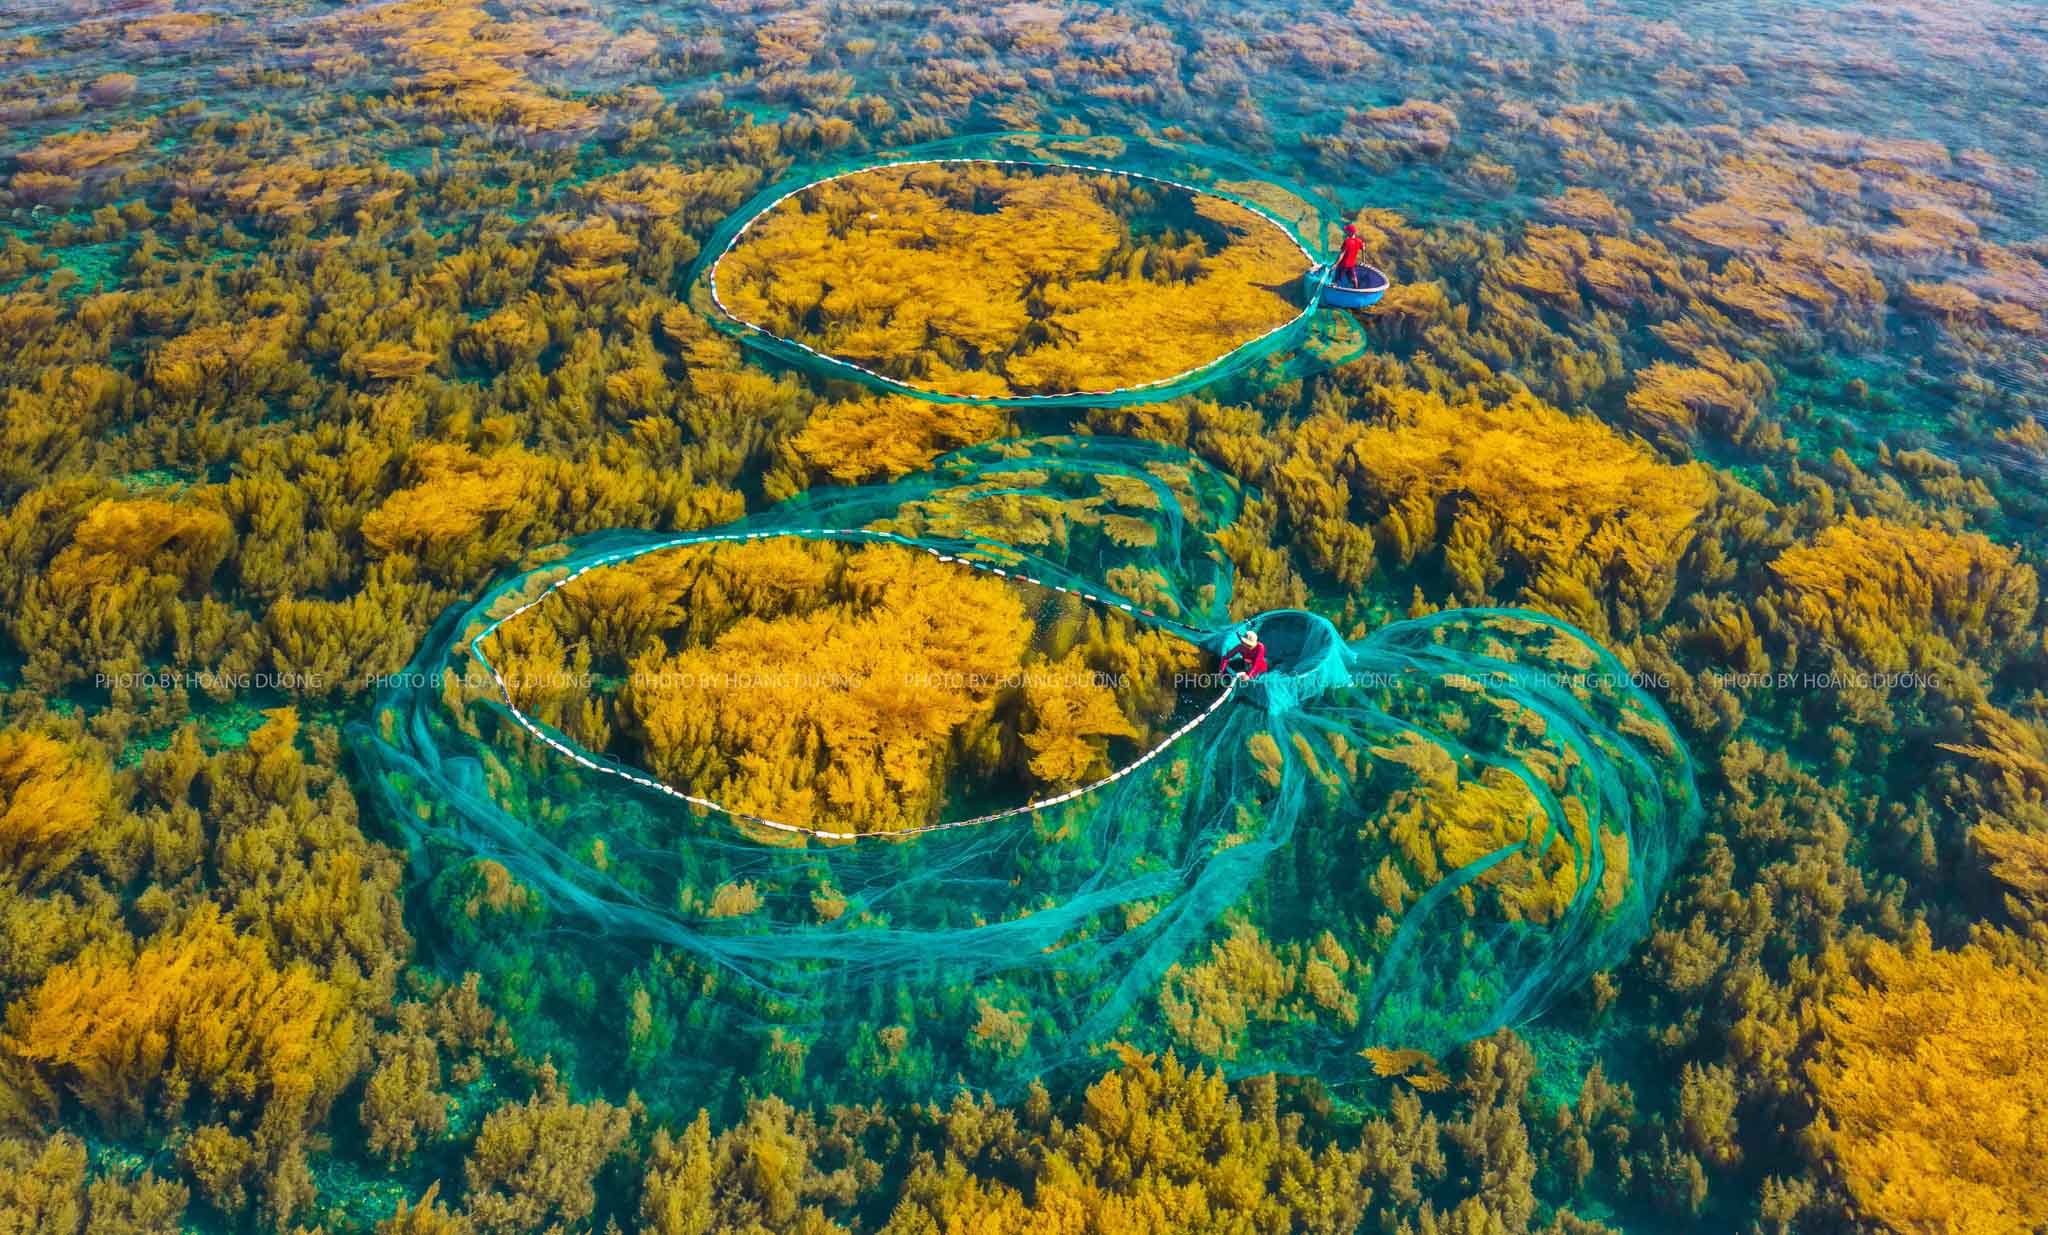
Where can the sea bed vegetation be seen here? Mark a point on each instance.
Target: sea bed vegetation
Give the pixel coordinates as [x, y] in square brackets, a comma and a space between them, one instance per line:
[867, 688]
[312, 320]
[985, 280]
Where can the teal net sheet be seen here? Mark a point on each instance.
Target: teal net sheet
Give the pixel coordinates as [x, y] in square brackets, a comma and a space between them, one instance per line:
[1314, 339]
[1402, 840]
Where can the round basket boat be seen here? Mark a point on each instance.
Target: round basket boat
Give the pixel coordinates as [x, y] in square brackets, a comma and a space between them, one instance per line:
[1335, 295]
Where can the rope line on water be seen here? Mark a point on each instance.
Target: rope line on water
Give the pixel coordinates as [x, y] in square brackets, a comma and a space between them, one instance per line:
[534, 728]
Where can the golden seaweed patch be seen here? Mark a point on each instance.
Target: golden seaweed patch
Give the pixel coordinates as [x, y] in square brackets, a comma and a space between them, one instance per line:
[846, 687]
[977, 279]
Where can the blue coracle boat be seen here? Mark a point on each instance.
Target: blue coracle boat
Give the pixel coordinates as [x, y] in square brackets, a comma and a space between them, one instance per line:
[1337, 295]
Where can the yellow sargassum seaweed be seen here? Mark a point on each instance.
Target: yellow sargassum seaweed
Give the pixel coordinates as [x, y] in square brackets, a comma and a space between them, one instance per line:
[824, 684]
[973, 279]
[1932, 1081]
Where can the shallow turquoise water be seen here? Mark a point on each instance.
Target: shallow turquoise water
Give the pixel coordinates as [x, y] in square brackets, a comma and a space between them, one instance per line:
[1469, 118]
[1662, 107]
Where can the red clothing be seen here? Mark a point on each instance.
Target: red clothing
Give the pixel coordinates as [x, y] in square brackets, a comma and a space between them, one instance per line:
[1250, 661]
[1348, 256]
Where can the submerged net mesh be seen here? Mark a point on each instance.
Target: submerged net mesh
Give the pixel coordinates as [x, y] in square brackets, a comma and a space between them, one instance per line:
[1401, 840]
[1310, 341]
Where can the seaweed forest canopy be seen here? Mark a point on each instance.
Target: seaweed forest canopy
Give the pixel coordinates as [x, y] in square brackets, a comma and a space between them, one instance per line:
[498, 736]
[1420, 835]
[843, 687]
[1031, 270]
[983, 279]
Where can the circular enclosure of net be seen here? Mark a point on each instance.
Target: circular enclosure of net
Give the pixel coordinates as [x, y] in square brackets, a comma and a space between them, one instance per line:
[1084, 740]
[1390, 843]
[1027, 269]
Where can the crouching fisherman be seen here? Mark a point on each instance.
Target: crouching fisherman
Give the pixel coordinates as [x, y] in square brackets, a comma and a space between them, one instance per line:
[1248, 657]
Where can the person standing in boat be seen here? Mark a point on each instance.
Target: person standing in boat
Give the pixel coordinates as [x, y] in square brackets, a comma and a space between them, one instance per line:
[1349, 272]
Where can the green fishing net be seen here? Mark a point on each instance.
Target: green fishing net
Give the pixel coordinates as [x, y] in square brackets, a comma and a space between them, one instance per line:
[1396, 841]
[1310, 340]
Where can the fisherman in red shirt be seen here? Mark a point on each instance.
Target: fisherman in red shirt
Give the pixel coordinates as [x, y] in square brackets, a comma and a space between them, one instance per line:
[1347, 258]
[1248, 657]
